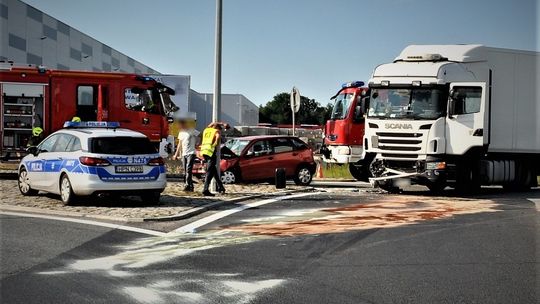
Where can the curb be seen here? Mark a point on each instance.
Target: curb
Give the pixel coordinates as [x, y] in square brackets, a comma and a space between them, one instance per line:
[69, 214]
[214, 205]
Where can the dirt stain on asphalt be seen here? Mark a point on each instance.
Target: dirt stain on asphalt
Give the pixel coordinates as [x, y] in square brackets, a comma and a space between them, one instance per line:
[390, 212]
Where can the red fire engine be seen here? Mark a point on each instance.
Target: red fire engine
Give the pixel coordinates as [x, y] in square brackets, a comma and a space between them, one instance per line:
[34, 97]
[344, 131]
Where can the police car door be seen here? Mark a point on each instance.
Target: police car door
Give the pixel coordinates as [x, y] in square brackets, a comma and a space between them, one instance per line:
[54, 162]
[36, 165]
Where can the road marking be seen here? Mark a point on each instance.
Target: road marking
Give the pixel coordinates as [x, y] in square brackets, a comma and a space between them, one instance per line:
[86, 222]
[536, 201]
[192, 227]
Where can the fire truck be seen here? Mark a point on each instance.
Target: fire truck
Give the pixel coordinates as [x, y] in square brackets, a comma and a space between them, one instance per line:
[344, 131]
[35, 97]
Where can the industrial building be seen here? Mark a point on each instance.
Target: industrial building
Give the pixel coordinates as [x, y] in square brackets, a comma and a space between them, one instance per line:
[30, 36]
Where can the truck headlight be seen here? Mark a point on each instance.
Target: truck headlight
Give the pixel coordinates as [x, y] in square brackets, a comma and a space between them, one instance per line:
[436, 166]
[344, 151]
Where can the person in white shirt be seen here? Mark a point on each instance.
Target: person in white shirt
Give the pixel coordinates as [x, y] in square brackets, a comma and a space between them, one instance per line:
[187, 140]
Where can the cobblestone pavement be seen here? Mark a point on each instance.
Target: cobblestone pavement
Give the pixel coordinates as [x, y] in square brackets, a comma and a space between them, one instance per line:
[173, 201]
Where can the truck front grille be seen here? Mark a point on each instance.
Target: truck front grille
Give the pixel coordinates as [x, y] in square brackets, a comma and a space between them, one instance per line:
[399, 145]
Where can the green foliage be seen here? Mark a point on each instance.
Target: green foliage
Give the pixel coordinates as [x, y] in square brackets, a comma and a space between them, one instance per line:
[278, 111]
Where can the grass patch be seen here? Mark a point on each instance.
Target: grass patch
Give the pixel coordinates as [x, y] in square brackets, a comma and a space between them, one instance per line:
[336, 171]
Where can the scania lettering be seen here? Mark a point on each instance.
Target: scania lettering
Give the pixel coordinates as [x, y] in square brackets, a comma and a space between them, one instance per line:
[37, 97]
[455, 115]
[345, 129]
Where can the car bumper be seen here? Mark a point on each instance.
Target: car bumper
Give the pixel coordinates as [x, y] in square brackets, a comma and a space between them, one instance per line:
[87, 184]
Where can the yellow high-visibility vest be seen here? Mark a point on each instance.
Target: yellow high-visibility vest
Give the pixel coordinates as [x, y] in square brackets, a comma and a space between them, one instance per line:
[207, 145]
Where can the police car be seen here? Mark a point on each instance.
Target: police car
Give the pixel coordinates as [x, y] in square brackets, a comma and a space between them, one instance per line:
[87, 158]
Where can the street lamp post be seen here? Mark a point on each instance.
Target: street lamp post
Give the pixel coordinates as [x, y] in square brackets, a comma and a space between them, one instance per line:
[216, 104]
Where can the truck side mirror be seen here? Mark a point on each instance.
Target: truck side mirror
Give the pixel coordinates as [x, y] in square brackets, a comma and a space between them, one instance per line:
[451, 106]
[358, 113]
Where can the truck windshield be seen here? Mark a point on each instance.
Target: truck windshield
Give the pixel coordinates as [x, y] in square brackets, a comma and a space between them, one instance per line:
[341, 106]
[408, 103]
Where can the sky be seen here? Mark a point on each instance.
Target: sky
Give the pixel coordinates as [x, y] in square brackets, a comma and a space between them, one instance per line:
[269, 46]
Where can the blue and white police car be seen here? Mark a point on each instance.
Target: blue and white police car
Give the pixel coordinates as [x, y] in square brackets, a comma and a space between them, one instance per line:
[93, 158]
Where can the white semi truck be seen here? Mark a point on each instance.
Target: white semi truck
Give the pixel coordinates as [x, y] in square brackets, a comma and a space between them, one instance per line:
[455, 115]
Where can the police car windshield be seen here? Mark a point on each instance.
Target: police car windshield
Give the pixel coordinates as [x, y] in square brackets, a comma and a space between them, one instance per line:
[121, 145]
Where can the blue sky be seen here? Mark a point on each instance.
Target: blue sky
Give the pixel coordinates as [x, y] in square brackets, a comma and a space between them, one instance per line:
[271, 45]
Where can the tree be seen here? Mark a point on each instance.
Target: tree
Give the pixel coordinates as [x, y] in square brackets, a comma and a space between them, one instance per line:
[278, 111]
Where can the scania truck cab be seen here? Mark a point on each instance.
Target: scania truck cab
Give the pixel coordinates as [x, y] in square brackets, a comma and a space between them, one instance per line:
[344, 130]
[455, 115]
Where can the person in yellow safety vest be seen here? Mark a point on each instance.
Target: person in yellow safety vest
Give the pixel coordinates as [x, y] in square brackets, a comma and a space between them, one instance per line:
[76, 119]
[37, 137]
[211, 139]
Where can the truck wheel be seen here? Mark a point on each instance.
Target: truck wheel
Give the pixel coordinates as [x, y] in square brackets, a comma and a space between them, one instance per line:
[388, 186]
[151, 197]
[467, 179]
[436, 187]
[303, 176]
[360, 174]
[24, 186]
[66, 191]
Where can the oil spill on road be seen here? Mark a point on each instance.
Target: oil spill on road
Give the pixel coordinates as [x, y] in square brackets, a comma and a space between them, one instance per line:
[391, 212]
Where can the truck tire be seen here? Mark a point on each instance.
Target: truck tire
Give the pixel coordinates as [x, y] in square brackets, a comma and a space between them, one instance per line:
[468, 177]
[388, 186]
[436, 187]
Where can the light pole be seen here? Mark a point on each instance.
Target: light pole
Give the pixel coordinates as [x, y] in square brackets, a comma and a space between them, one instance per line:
[216, 104]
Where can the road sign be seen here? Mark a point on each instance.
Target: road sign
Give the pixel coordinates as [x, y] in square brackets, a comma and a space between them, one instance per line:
[295, 100]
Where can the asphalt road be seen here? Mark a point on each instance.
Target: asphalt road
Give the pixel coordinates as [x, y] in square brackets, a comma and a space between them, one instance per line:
[332, 247]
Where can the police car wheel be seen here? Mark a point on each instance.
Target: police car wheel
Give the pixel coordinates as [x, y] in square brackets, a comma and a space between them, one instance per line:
[151, 197]
[66, 191]
[23, 184]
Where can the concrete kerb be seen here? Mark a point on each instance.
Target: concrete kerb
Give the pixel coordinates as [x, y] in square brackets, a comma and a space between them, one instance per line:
[214, 205]
[35, 210]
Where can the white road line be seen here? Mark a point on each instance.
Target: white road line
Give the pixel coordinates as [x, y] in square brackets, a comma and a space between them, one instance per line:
[190, 228]
[536, 201]
[86, 222]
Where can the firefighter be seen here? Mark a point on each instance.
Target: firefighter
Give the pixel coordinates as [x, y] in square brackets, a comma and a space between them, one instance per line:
[37, 137]
[76, 119]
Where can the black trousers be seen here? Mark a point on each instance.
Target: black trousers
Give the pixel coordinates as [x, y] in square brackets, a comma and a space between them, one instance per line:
[188, 170]
[211, 172]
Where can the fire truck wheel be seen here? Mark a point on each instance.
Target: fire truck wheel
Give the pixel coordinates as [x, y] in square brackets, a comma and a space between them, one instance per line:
[23, 184]
[358, 173]
[66, 191]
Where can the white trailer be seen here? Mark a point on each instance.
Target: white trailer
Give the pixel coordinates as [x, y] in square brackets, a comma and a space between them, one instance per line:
[455, 115]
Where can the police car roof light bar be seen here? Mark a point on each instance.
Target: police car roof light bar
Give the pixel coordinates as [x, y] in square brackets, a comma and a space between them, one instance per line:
[92, 124]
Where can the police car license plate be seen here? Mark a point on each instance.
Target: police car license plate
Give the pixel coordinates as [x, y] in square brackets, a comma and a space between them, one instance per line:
[128, 169]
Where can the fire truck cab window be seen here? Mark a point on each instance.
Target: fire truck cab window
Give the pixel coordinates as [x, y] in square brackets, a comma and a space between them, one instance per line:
[86, 103]
[143, 100]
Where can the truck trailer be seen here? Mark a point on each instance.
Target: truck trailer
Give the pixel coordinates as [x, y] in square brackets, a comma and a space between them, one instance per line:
[455, 115]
